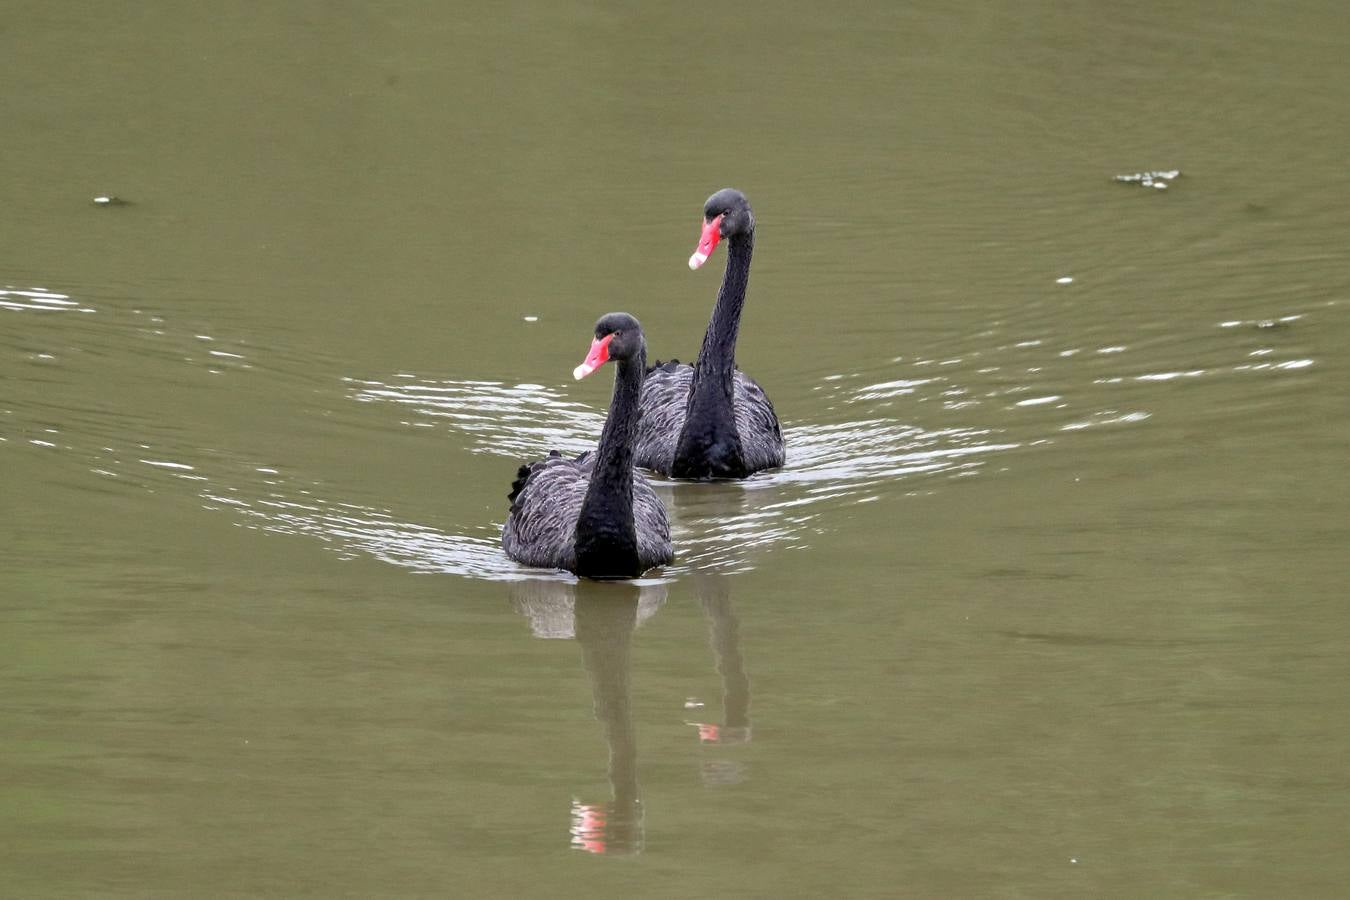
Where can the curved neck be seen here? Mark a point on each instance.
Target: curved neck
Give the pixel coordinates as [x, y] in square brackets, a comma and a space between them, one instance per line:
[606, 537]
[614, 457]
[709, 445]
[717, 357]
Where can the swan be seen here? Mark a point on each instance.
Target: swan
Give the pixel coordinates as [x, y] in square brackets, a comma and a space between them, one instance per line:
[710, 420]
[594, 515]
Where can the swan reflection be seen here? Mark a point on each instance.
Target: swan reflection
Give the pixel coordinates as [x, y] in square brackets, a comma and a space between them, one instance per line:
[603, 618]
[724, 637]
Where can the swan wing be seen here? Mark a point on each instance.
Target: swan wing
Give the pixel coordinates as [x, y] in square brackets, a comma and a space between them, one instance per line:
[761, 436]
[545, 502]
[665, 393]
[651, 524]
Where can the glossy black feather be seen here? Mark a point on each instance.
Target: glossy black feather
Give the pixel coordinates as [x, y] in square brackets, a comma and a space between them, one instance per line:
[594, 515]
[710, 420]
[665, 396]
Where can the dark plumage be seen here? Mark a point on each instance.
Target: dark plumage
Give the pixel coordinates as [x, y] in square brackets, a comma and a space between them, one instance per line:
[594, 515]
[710, 420]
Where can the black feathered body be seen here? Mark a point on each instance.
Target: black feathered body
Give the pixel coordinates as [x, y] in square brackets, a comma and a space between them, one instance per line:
[546, 502]
[710, 420]
[594, 515]
[665, 404]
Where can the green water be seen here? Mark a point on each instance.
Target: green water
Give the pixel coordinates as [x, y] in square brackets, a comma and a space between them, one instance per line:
[1048, 601]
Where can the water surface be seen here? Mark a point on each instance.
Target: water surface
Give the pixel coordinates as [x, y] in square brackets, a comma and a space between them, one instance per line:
[1046, 602]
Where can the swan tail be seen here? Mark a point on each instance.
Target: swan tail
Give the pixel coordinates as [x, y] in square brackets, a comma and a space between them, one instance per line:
[523, 475]
[668, 366]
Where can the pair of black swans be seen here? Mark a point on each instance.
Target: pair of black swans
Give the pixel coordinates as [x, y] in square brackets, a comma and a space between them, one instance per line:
[594, 515]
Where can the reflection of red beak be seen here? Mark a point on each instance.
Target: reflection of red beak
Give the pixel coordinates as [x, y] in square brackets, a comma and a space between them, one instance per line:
[588, 827]
[706, 242]
[598, 356]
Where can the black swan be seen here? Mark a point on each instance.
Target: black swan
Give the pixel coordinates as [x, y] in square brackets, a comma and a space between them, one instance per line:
[594, 515]
[709, 420]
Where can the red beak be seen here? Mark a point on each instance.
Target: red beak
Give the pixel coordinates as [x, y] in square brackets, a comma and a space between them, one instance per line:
[706, 242]
[598, 356]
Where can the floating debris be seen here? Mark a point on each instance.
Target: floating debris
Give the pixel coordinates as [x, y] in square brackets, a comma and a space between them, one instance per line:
[110, 200]
[1157, 179]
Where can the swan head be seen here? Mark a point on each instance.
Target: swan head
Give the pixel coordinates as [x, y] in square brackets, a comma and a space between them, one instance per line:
[618, 336]
[726, 214]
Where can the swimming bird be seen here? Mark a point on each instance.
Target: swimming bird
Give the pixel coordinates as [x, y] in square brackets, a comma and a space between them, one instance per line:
[710, 420]
[594, 515]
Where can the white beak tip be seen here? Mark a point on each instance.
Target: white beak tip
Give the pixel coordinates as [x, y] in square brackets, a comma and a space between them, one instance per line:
[697, 259]
[581, 371]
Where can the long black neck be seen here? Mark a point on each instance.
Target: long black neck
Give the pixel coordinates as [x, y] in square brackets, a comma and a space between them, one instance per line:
[606, 538]
[709, 445]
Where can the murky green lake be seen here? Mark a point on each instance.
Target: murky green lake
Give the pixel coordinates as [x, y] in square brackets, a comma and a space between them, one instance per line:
[1049, 600]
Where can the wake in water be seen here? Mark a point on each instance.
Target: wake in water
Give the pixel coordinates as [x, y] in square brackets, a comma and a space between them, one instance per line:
[721, 526]
[515, 421]
[38, 299]
[855, 451]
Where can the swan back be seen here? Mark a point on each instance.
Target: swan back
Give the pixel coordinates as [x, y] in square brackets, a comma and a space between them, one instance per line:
[665, 396]
[546, 500]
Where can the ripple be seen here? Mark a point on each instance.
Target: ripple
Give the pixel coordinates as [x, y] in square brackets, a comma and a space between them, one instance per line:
[39, 299]
[166, 464]
[728, 526]
[723, 526]
[1014, 388]
[886, 390]
[353, 530]
[505, 420]
[1106, 417]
